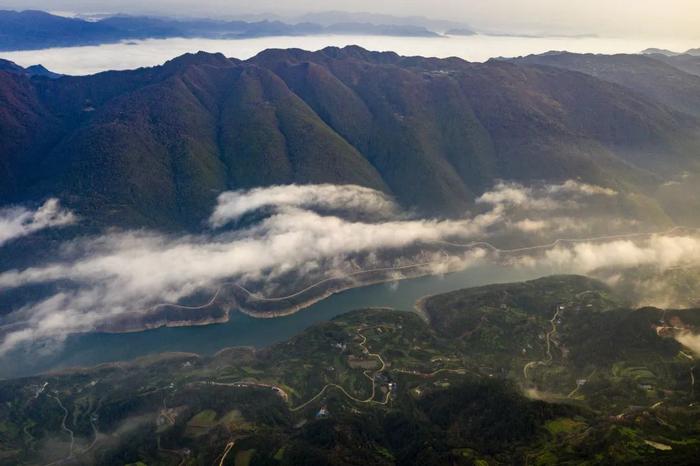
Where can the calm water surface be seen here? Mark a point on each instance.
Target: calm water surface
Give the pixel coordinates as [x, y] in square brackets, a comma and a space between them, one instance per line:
[241, 330]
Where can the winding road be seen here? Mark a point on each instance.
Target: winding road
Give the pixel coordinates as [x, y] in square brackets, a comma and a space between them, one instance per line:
[373, 375]
[470, 245]
[225, 453]
[548, 339]
[372, 379]
[66, 429]
[692, 374]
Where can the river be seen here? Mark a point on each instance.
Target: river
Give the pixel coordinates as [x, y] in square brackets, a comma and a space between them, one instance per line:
[95, 348]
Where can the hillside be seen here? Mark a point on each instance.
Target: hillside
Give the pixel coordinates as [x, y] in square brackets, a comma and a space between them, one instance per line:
[603, 385]
[688, 63]
[156, 145]
[658, 77]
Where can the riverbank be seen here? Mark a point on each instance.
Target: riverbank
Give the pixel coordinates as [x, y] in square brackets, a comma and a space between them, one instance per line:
[419, 307]
[89, 349]
[232, 297]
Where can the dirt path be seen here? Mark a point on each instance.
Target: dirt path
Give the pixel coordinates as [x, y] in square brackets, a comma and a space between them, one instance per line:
[225, 453]
[548, 342]
[95, 431]
[578, 386]
[179, 453]
[245, 384]
[371, 375]
[692, 374]
[428, 375]
[366, 373]
[66, 429]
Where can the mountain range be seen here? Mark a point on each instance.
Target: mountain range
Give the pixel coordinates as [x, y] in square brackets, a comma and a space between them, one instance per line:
[29, 30]
[155, 146]
[670, 53]
[328, 18]
[658, 77]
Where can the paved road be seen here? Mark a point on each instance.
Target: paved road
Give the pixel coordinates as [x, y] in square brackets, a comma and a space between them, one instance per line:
[366, 373]
[470, 245]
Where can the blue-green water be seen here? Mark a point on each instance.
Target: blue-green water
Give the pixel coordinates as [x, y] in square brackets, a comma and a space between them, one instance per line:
[241, 330]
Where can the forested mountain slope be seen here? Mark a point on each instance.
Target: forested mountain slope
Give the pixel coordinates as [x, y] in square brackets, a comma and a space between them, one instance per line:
[157, 145]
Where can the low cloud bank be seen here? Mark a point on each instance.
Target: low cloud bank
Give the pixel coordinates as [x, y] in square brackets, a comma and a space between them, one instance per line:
[233, 205]
[577, 187]
[690, 340]
[543, 197]
[127, 272]
[16, 222]
[662, 251]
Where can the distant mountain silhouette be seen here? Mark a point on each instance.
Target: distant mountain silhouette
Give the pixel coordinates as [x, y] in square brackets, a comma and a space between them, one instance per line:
[28, 30]
[655, 51]
[327, 18]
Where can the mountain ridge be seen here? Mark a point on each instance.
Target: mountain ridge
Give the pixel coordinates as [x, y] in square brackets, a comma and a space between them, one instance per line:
[35, 29]
[158, 144]
[654, 76]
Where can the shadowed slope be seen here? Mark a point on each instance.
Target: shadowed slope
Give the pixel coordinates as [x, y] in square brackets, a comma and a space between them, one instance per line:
[155, 146]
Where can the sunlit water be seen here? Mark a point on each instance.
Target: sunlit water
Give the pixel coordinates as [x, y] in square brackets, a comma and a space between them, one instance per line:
[135, 54]
[241, 330]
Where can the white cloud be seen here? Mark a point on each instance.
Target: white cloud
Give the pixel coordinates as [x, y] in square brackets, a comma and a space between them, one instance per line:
[129, 272]
[529, 226]
[584, 257]
[543, 197]
[513, 194]
[577, 187]
[152, 52]
[233, 205]
[16, 222]
[689, 340]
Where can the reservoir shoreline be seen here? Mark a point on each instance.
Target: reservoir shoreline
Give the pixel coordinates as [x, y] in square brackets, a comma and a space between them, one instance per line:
[92, 349]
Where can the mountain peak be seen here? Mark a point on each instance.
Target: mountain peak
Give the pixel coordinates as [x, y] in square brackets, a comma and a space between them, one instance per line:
[357, 52]
[10, 67]
[198, 59]
[34, 70]
[349, 52]
[41, 70]
[174, 136]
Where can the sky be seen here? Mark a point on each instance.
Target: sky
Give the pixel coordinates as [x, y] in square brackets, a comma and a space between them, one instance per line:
[660, 18]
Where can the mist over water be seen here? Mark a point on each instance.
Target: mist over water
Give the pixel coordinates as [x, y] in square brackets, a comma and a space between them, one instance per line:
[96, 348]
[125, 275]
[478, 48]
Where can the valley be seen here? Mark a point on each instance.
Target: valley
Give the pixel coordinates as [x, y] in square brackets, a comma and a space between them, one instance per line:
[605, 380]
[349, 238]
[232, 297]
[244, 330]
[233, 316]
